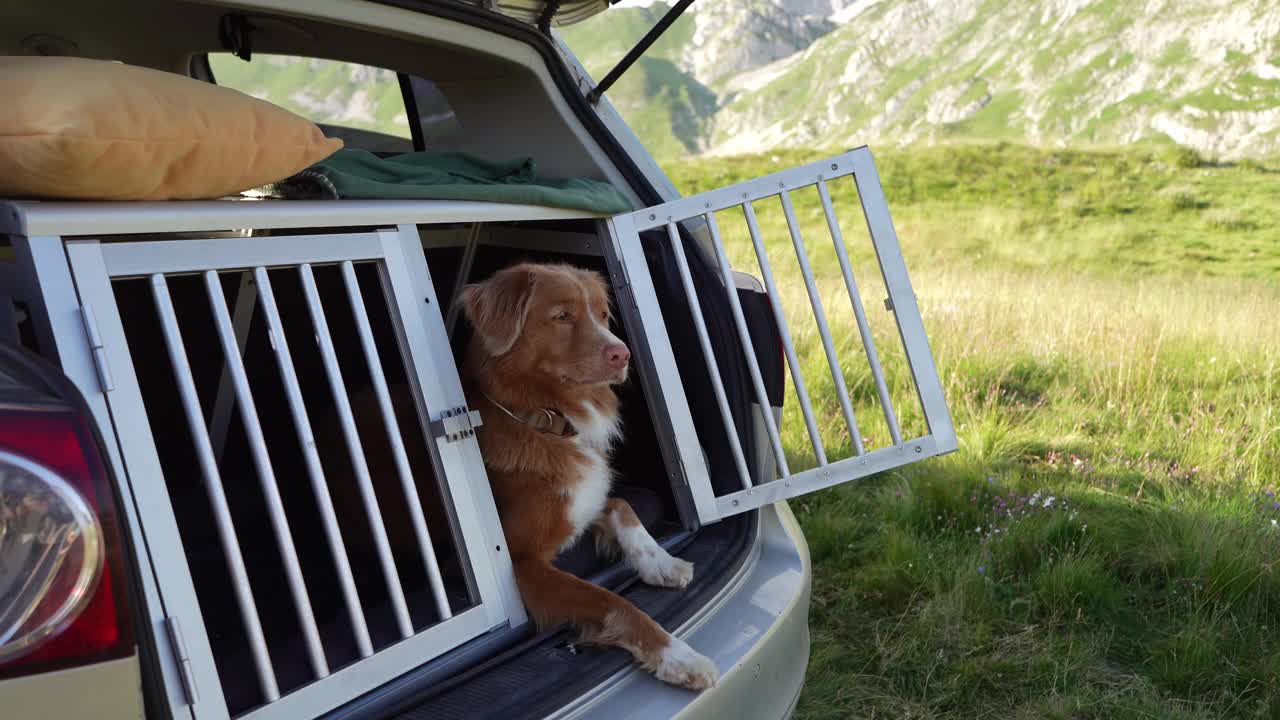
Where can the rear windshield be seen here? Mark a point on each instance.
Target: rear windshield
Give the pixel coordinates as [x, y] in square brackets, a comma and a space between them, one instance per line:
[368, 107]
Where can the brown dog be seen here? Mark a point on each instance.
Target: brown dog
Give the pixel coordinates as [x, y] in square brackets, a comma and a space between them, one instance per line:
[540, 370]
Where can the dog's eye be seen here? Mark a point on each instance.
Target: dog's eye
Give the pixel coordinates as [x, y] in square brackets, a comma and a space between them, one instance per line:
[563, 316]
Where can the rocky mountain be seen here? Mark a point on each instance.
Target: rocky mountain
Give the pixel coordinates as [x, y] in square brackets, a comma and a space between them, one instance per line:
[744, 75]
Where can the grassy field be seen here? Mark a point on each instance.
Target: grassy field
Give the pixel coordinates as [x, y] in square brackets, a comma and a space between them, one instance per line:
[1105, 542]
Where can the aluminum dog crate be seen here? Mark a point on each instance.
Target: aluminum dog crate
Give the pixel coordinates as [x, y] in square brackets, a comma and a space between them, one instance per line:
[76, 286]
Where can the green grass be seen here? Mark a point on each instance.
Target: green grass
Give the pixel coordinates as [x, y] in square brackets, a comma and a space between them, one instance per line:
[1093, 211]
[1050, 81]
[1104, 544]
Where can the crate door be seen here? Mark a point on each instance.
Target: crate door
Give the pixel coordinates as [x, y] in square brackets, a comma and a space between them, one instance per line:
[277, 403]
[867, 396]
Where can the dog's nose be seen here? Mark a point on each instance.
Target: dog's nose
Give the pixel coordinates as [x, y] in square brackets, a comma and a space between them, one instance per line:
[616, 355]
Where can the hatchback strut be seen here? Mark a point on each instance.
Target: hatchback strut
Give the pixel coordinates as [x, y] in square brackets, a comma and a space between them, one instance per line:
[548, 12]
[631, 57]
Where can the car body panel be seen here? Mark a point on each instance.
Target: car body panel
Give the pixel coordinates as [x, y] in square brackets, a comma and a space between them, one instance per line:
[567, 12]
[109, 690]
[757, 632]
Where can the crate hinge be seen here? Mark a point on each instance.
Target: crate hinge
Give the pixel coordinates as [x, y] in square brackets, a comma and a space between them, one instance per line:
[456, 424]
[96, 347]
[179, 648]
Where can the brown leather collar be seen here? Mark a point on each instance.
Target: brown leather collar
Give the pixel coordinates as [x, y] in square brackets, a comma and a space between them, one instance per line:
[544, 420]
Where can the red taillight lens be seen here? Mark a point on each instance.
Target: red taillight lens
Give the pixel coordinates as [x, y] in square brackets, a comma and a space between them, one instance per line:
[38, 451]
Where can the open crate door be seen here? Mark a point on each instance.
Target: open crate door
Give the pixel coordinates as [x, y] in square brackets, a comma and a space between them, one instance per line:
[852, 175]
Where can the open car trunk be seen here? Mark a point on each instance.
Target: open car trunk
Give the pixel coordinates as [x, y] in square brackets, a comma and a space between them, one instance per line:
[243, 374]
[301, 467]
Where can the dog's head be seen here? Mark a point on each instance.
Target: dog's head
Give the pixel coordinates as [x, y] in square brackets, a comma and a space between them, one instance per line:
[548, 320]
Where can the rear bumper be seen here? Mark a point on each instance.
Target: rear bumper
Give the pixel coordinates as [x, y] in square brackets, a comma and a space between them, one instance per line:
[756, 630]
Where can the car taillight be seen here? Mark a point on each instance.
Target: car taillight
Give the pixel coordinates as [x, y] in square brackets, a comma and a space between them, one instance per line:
[61, 579]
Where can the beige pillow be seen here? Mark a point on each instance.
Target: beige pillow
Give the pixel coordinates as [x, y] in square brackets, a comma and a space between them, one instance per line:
[92, 129]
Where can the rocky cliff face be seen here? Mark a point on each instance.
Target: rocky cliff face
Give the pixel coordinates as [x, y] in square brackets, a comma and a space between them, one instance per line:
[1202, 73]
[731, 38]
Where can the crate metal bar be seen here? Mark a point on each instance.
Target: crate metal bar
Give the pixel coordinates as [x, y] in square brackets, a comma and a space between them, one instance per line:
[266, 476]
[789, 347]
[646, 313]
[438, 643]
[820, 317]
[307, 441]
[130, 448]
[753, 363]
[746, 191]
[464, 273]
[355, 450]
[423, 348]
[224, 401]
[236, 253]
[905, 308]
[840, 471]
[213, 486]
[398, 452]
[713, 368]
[168, 216]
[860, 313]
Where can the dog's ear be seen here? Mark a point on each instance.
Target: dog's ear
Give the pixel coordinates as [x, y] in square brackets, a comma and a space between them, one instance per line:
[498, 306]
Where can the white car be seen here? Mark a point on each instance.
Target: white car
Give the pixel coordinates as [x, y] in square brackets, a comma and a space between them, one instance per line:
[172, 539]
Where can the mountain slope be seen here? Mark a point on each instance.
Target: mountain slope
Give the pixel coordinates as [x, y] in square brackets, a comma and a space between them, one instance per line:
[735, 37]
[661, 100]
[1202, 73]
[695, 61]
[321, 90]
[734, 76]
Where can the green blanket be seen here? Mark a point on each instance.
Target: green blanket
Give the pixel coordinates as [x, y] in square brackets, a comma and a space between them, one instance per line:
[448, 176]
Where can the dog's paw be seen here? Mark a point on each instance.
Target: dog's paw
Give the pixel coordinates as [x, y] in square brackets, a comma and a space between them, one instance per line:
[682, 666]
[662, 570]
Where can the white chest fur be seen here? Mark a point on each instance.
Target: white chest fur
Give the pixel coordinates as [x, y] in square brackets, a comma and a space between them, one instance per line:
[586, 498]
[596, 430]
